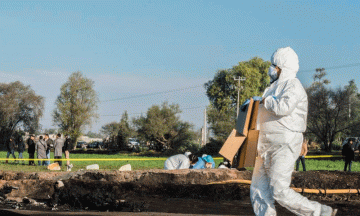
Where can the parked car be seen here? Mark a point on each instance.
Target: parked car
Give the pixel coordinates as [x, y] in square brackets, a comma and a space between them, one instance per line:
[80, 144]
[133, 143]
[93, 145]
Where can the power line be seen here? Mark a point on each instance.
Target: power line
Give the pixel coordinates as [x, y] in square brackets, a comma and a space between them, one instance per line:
[121, 114]
[193, 107]
[188, 108]
[192, 87]
[332, 68]
[150, 94]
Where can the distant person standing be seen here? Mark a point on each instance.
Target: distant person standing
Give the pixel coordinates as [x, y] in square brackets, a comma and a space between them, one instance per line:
[31, 149]
[21, 148]
[68, 146]
[348, 152]
[58, 146]
[304, 150]
[10, 145]
[49, 145]
[41, 151]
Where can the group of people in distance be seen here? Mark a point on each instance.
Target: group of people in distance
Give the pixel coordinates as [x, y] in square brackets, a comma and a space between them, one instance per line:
[42, 146]
[12, 145]
[189, 161]
[348, 152]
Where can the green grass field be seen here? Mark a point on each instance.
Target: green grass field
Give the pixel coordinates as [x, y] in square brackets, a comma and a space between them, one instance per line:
[144, 162]
[312, 164]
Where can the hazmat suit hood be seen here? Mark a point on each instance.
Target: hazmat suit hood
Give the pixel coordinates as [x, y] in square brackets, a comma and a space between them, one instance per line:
[187, 153]
[288, 61]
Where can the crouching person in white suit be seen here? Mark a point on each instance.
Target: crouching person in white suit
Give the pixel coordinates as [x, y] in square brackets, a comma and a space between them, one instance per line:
[180, 161]
[281, 121]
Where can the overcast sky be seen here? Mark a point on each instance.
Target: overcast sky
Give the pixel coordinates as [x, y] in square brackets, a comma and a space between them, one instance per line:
[131, 48]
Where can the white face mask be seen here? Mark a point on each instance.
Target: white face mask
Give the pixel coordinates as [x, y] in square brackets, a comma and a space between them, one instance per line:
[273, 74]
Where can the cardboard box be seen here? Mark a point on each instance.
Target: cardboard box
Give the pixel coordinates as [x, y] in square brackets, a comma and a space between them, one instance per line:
[248, 150]
[54, 166]
[240, 147]
[254, 115]
[232, 145]
[243, 119]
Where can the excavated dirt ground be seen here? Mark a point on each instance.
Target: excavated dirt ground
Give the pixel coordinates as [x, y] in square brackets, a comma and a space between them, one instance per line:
[150, 192]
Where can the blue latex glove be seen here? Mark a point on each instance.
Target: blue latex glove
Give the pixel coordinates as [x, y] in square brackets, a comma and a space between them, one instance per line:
[209, 159]
[244, 105]
[257, 98]
[200, 164]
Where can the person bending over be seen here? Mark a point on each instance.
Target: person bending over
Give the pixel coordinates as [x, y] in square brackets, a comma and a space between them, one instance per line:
[180, 161]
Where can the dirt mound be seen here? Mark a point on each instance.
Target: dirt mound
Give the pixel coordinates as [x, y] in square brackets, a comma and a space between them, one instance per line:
[326, 179]
[151, 190]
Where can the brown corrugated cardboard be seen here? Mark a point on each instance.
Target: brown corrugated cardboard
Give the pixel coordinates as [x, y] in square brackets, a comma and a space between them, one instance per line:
[232, 145]
[248, 150]
[254, 115]
[243, 119]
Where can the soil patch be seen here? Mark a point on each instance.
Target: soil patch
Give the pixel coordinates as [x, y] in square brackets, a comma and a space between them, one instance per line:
[178, 191]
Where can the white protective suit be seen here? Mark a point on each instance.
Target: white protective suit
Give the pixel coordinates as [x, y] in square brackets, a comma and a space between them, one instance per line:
[281, 122]
[179, 161]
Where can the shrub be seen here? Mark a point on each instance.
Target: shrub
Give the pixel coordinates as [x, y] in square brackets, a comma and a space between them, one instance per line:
[211, 148]
[337, 145]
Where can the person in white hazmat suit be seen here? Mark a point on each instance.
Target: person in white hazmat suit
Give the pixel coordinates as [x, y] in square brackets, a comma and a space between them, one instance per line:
[180, 161]
[281, 121]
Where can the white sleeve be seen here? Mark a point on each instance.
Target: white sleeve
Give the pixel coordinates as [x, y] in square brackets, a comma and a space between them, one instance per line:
[185, 164]
[286, 103]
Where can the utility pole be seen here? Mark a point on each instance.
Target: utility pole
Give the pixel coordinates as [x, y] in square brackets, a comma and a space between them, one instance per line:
[239, 79]
[204, 130]
[349, 107]
[205, 126]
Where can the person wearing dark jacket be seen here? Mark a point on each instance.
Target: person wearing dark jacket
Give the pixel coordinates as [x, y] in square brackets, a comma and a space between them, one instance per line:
[348, 152]
[50, 144]
[21, 148]
[68, 146]
[31, 149]
[10, 145]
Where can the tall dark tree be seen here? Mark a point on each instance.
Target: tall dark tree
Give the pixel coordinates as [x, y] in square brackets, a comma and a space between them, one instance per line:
[331, 111]
[222, 92]
[76, 106]
[19, 107]
[125, 132]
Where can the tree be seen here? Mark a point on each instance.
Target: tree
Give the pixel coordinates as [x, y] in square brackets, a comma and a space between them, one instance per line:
[50, 131]
[125, 131]
[222, 93]
[354, 110]
[163, 126]
[19, 107]
[119, 132]
[94, 134]
[76, 105]
[329, 110]
[110, 129]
